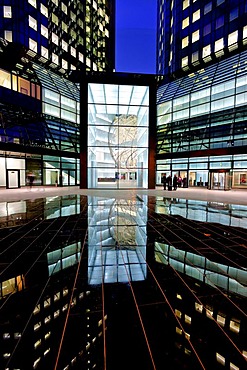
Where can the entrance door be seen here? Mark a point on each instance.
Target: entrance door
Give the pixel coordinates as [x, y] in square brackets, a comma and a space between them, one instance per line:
[13, 179]
[220, 181]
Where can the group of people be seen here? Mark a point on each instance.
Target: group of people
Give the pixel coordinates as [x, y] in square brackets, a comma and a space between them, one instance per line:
[174, 182]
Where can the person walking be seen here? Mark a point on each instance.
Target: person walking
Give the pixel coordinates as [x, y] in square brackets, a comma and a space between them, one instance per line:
[169, 182]
[164, 181]
[175, 182]
[30, 177]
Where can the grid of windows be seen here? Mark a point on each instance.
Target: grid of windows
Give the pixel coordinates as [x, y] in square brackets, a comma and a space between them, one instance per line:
[201, 113]
[87, 27]
[208, 29]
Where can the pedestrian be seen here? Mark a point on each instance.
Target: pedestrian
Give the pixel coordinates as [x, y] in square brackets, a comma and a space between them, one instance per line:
[164, 179]
[184, 182]
[169, 182]
[30, 177]
[175, 182]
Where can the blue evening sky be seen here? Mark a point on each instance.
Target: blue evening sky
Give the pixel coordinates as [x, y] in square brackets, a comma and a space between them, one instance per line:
[136, 36]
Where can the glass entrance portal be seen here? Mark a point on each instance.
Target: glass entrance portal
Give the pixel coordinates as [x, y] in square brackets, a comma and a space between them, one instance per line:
[220, 180]
[118, 119]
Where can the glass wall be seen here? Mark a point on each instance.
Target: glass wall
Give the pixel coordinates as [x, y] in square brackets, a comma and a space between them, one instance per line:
[200, 117]
[118, 118]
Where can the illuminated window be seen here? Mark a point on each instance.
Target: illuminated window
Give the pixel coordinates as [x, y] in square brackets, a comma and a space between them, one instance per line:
[233, 367]
[73, 16]
[56, 296]
[8, 286]
[44, 31]
[43, 10]
[81, 57]
[47, 335]
[36, 363]
[220, 359]
[196, 16]
[37, 343]
[184, 62]
[55, 58]
[220, 2]
[186, 3]
[64, 45]
[32, 22]
[179, 296]
[64, 8]
[219, 45]
[37, 309]
[54, 19]
[56, 314]
[185, 42]
[44, 52]
[47, 302]
[65, 291]
[207, 8]
[187, 319]
[64, 64]
[178, 313]
[209, 312]
[185, 23]
[195, 36]
[206, 51]
[55, 2]
[178, 331]
[54, 38]
[65, 307]
[64, 27]
[221, 320]
[72, 51]
[235, 326]
[244, 32]
[233, 38]
[33, 3]
[6, 335]
[8, 35]
[219, 22]
[7, 11]
[37, 326]
[33, 45]
[198, 307]
[47, 319]
[187, 336]
[187, 351]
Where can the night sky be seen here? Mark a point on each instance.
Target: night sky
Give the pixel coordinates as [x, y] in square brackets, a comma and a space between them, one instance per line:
[136, 36]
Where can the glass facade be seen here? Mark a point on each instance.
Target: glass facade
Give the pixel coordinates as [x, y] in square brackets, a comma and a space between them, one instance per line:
[201, 126]
[193, 34]
[32, 134]
[118, 141]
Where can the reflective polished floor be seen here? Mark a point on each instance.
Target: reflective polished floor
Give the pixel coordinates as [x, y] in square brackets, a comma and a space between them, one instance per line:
[114, 280]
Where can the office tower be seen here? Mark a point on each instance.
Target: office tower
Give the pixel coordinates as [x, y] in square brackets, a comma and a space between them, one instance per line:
[193, 34]
[45, 46]
[64, 35]
[201, 103]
